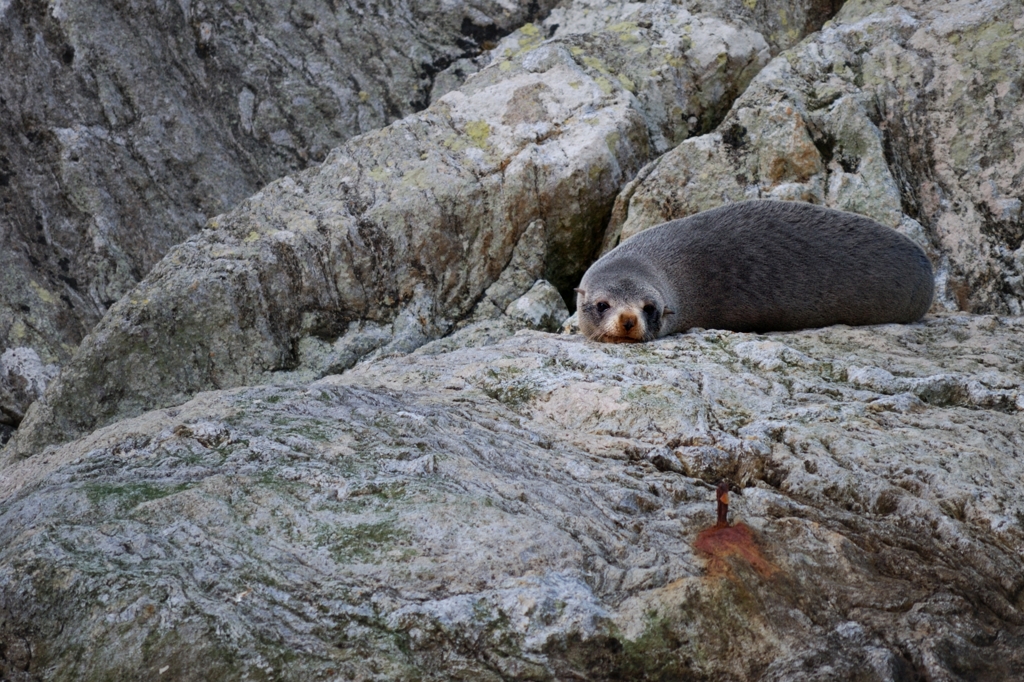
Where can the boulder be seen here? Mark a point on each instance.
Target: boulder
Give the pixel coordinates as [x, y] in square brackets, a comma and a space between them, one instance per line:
[501, 505]
[407, 227]
[125, 125]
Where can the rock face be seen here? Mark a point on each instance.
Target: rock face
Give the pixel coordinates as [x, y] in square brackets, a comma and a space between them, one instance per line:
[405, 229]
[531, 506]
[781, 25]
[23, 378]
[124, 126]
[315, 442]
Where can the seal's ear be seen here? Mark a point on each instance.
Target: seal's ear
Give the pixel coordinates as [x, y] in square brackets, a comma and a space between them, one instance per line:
[580, 291]
[667, 312]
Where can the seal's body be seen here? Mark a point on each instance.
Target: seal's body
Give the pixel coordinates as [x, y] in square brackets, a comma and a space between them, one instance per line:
[755, 266]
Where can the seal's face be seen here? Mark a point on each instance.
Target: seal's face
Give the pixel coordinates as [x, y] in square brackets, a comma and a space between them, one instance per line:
[604, 316]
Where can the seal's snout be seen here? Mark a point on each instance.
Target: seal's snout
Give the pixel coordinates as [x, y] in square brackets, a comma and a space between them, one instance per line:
[625, 326]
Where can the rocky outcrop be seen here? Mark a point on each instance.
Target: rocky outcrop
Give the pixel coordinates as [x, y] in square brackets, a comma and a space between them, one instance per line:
[362, 467]
[906, 112]
[531, 506]
[123, 127]
[400, 232]
[782, 25]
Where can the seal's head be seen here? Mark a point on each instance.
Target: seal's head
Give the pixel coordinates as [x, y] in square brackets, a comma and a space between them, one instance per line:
[623, 310]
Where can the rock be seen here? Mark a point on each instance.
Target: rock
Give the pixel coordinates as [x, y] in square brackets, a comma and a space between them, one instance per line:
[124, 126]
[406, 228]
[683, 68]
[361, 466]
[884, 113]
[538, 507]
[571, 325]
[781, 26]
[23, 378]
[524, 269]
[540, 308]
[654, 26]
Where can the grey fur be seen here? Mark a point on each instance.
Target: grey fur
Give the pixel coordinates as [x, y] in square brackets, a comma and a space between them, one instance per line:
[758, 266]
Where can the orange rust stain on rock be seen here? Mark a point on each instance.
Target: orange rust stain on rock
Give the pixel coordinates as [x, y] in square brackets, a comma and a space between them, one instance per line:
[729, 542]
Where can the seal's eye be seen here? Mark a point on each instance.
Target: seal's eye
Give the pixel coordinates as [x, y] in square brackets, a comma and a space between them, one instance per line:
[602, 306]
[650, 310]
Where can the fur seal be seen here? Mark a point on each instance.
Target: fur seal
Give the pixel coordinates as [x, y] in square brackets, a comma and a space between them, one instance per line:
[754, 266]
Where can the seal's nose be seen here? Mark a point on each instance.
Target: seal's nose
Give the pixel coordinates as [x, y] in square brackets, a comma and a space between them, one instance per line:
[627, 321]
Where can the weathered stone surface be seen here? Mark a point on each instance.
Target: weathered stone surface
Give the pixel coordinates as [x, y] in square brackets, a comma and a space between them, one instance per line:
[23, 378]
[532, 507]
[406, 227]
[540, 308]
[504, 504]
[125, 125]
[684, 68]
[781, 25]
[906, 112]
